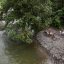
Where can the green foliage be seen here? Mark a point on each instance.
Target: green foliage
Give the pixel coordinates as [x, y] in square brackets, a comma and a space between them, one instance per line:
[56, 22]
[17, 34]
[25, 18]
[58, 18]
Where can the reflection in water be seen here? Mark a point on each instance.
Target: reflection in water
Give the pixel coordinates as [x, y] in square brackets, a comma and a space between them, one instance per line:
[12, 53]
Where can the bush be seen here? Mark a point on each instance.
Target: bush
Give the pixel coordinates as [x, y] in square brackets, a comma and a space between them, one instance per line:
[25, 18]
[31, 16]
[15, 33]
[56, 22]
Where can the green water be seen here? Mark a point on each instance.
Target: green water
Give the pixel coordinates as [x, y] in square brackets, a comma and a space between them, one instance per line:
[12, 53]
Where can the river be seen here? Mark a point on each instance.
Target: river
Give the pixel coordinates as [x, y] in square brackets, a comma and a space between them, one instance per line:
[13, 53]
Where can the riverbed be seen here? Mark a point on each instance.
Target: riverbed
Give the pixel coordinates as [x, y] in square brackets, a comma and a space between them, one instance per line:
[13, 53]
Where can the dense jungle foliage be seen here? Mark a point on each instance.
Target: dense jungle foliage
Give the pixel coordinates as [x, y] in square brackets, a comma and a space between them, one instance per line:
[25, 18]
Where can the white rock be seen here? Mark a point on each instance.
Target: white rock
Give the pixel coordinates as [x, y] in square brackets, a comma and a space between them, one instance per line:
[62, 32]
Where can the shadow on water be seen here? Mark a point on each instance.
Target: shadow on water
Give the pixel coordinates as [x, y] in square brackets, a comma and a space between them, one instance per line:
[14, 53]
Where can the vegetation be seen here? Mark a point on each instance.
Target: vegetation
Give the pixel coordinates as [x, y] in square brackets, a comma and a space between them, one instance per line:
[25, 18]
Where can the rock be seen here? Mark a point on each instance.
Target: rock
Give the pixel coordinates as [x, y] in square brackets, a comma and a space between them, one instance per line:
[54, 47]
[2, 24]
[62, 33]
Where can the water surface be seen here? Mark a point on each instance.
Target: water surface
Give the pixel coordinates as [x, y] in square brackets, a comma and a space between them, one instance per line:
[13, 53]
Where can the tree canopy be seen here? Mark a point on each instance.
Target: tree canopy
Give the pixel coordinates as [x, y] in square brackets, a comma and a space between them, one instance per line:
[25, 18]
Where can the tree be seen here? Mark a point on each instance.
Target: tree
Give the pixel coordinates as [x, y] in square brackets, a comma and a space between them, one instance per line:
[58, 4]
[24, 18]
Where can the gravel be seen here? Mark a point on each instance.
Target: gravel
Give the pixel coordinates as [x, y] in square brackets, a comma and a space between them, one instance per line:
[54, 46]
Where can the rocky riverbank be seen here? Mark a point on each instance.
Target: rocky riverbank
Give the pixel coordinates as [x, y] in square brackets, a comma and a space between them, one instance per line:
[53, 45]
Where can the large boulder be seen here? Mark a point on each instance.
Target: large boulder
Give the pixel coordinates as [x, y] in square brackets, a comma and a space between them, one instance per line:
[55, 45]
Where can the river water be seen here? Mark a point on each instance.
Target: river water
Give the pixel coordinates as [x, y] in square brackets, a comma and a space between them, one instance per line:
[13, 53]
